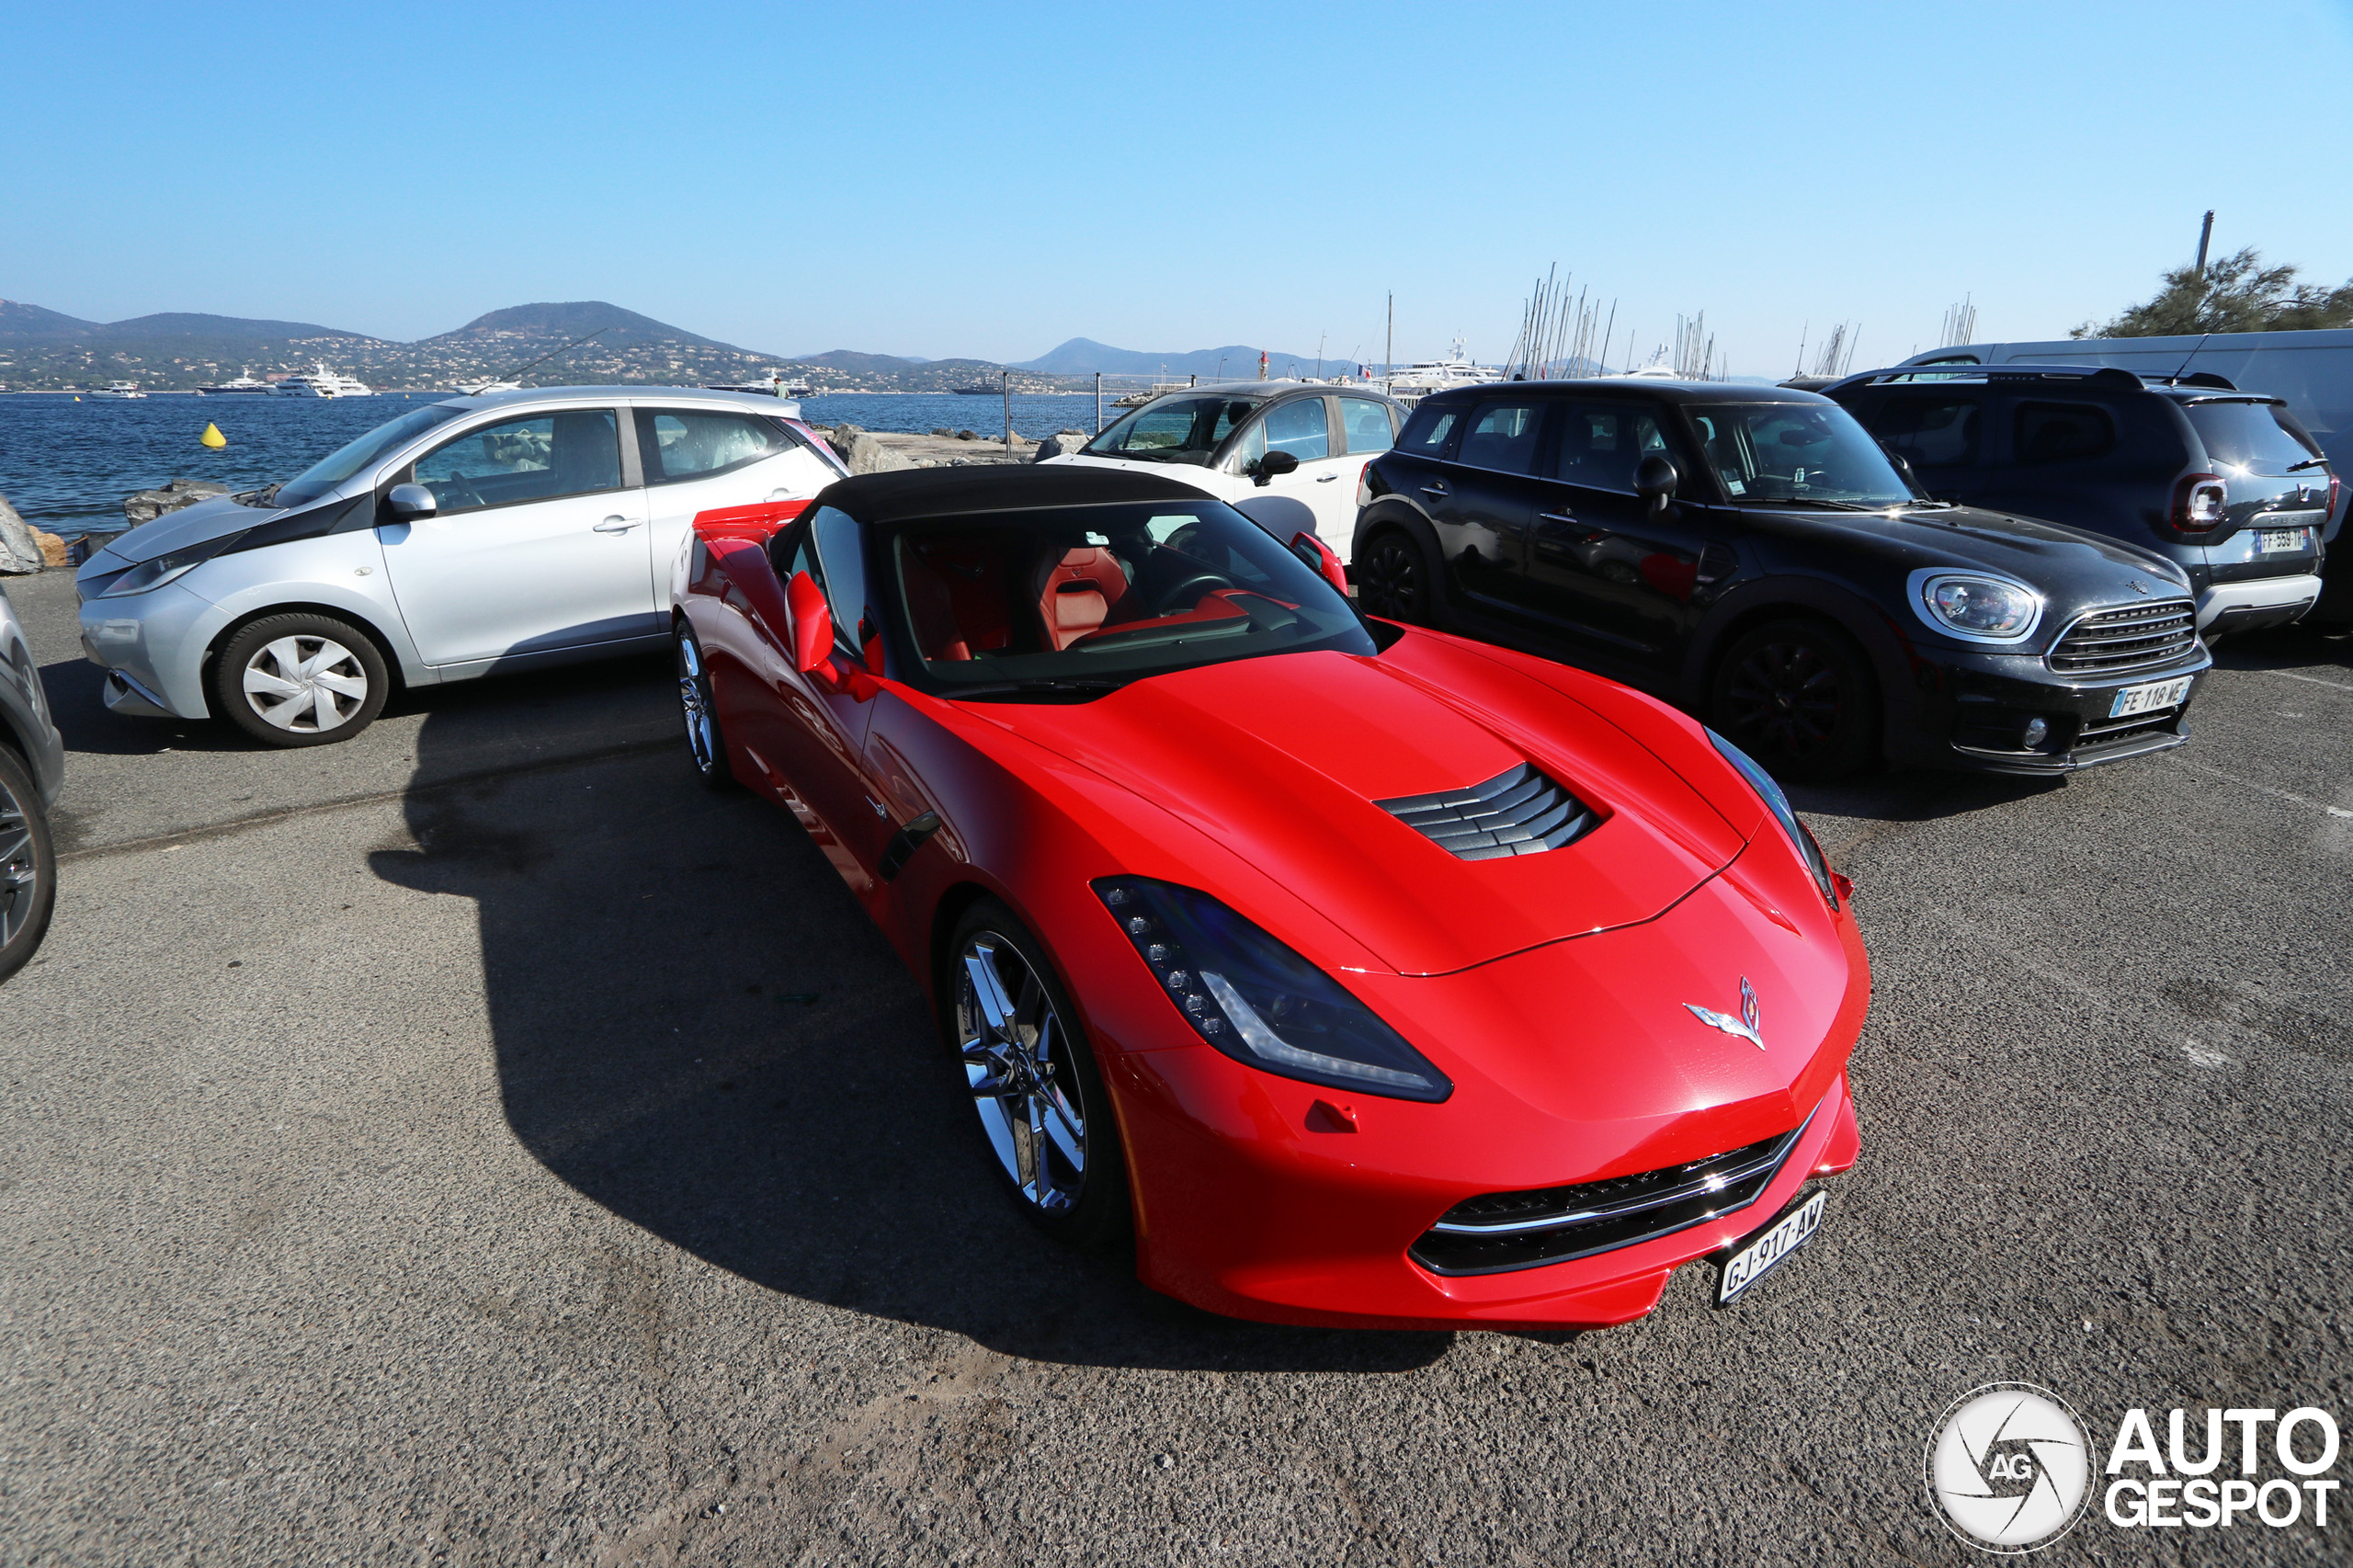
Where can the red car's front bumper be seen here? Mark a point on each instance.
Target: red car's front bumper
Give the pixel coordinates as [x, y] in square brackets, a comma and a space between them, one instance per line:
[1259, 1196]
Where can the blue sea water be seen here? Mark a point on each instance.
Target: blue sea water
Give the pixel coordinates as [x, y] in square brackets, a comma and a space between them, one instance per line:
[67, 465]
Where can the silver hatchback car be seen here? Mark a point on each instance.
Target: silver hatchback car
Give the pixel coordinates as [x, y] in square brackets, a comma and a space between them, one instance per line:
[465, 538]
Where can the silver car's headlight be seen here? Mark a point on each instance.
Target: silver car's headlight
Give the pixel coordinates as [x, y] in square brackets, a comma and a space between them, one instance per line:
[149, 575]
[1976, 605]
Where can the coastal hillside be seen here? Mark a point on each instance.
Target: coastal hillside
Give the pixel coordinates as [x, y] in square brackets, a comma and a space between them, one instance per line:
[1084, 355]
[46, 350]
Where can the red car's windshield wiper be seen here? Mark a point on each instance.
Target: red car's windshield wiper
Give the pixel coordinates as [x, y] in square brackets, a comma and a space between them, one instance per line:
[1078, 687]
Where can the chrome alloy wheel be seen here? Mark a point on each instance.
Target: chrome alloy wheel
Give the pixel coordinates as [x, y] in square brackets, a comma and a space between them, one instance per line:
[694, 698]
[1016, 1060]
[306, 685]
[19, 867]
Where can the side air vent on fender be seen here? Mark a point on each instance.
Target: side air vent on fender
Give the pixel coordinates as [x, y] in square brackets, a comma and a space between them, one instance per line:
[1515, 812]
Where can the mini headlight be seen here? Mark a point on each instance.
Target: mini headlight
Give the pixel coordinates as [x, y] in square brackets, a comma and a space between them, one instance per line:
[1257, 1001]
[1777, 801]
[1978, 608]
[149, 575]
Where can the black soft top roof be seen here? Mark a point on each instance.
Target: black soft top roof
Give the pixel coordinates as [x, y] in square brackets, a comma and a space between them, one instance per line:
[1005, 487]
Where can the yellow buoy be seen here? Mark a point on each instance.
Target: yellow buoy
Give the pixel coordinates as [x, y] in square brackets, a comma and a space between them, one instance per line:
[213, 437]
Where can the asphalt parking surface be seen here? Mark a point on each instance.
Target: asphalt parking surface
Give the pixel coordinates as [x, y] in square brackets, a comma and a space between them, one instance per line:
[476, 1143]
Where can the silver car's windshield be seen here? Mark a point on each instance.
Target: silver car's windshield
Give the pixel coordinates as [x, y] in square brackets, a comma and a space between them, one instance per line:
[1173, 429]
[1766, 452]
[354, 455]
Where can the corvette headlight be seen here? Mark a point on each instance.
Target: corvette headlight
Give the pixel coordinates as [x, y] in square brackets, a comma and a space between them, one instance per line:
[149, 575]
[1776, 801]
[1978, 608]
[1257, 1001]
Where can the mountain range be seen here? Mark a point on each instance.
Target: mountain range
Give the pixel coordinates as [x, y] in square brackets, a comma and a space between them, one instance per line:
[46, 350]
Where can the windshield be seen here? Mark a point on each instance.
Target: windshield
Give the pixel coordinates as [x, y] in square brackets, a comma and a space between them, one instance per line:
[1796, 451]
[352, 456]
[1075, 600]
[2250, 438]
[1173, 429]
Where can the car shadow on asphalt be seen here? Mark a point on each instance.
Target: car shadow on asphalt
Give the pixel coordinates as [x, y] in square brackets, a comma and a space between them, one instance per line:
[698, 1028]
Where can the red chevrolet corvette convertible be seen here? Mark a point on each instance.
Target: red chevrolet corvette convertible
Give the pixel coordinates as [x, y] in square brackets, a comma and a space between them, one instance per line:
[1371, 976]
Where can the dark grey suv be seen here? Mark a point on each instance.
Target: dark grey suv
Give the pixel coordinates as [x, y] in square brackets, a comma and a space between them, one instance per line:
[32, 767]
[2225, 482]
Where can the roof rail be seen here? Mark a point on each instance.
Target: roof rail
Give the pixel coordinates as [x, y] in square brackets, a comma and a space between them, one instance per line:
[2095, 375]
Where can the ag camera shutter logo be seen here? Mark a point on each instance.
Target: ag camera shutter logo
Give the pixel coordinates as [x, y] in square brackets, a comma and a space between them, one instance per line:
[2008, 1468]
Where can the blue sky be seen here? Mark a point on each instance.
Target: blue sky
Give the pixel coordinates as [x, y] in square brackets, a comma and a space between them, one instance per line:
[974, 179]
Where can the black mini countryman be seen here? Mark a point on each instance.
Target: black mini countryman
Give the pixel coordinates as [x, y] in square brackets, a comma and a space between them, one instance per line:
[1751, 554]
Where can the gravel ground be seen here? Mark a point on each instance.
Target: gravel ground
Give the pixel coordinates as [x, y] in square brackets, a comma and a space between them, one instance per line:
[476, 1144]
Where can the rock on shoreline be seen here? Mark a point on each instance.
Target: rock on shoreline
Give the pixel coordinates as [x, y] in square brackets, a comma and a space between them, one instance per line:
[882, 452]
[25, 549]
[146, 506]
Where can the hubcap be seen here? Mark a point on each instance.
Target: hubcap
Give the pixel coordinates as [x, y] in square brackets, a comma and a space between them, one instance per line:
[694, 697]
[1016, 1063]
[1393, 586]
[305, 685]
[1787, 701]
[20, 876]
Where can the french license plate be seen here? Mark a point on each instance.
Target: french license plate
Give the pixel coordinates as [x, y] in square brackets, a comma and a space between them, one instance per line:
[2148, 699]
[1769, 1246]
[2279, 541]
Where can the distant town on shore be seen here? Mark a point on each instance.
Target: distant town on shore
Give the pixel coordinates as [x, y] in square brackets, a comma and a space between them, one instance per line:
[45, 350]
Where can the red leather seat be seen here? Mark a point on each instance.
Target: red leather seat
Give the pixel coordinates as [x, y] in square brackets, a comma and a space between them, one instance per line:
[1081, 589]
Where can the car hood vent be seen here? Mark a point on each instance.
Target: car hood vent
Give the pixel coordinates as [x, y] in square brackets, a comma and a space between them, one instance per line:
[1519, 812]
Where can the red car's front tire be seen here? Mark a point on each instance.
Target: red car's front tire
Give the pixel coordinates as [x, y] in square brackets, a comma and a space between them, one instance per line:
[1024, 1061]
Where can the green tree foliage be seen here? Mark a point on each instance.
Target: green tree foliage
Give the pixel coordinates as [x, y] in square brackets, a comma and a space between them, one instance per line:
[2237, 293]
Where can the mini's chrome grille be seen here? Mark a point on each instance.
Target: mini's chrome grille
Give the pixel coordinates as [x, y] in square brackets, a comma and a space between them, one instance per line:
[2135, 637]
[1497, 1232]
[1519, 812]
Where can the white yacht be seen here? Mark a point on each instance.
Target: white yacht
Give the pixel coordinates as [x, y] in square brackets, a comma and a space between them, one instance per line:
[117, 390]
[244, 386]
[1410, 382]
[320, 383]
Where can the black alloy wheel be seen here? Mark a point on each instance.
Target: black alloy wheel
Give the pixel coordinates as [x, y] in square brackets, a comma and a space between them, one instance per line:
[1392, 579]
[1024, 1064]
[705, 747]
[1798, 697]
[28, 864]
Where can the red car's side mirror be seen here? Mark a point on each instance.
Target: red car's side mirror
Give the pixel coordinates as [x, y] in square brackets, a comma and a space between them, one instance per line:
[812, 623]
[1318, 554]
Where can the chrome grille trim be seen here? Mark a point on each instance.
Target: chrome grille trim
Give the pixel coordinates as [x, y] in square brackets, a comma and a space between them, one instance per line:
[2130, 637]
[1587, 1218]
[1519, 812]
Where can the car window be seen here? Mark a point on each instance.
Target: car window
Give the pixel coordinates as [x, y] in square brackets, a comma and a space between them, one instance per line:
[679, 444]
[1931, 432]
[2246, 436]
[1602, 444]
[1366, 423]
[1428, 430]
[1501, 435]
[1173, 429]
[574, 452]
[354, 455]
[1298, 427]
[2055, 432]
[1796, 452]
[837, 542]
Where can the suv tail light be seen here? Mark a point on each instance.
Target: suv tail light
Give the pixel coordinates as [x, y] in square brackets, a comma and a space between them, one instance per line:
[2198, 503]
[2336, 486]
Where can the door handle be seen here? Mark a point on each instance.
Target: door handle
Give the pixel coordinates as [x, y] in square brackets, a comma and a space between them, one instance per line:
[616, 525]
[1436, 488]
[1325, 478]
[1554, 517]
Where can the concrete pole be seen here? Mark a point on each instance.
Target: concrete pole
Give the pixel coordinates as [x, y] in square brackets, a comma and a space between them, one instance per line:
[1007, 378]
[1099, 402]
[2205, 233]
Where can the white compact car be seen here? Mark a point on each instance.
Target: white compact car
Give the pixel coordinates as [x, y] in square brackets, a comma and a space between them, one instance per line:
[1288, 454]
[466, 537]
